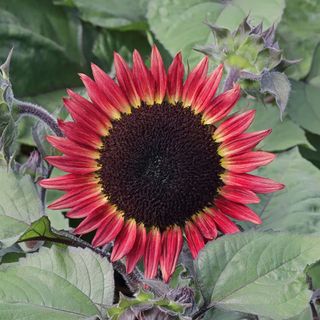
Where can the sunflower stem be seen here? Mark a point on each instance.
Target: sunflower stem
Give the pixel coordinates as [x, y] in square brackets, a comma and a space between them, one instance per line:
[232, 77]
[33, 110]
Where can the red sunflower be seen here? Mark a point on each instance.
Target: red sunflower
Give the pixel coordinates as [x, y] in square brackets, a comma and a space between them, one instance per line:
[152, 160]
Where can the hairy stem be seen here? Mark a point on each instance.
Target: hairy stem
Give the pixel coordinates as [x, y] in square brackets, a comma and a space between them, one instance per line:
[232, 77]
[33, 110]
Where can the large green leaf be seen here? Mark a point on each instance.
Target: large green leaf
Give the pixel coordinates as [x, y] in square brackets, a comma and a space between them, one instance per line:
[19, 206]
[285, 134]
[57, 283]
[257, 272]
[297, 207]
[48, 48]
[124, 14]
[299, 33]
[178, 24]
[304, 106]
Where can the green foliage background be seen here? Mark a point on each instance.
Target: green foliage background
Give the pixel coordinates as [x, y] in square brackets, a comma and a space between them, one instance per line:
[255, 272]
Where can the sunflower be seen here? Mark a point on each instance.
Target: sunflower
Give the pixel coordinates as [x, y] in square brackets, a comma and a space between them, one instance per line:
[153, 159]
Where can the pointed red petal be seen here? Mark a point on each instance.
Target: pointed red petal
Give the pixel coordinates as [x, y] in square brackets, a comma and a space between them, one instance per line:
[204, 98]
[239, 194]
[138, 248]
[125, 80]
[237, 211]
[194, 239]
[152, 253]
[83, 209]
[247, 161]
[99, 98]
[86, 118]
[70, 164]
[80, 136]
[91, 222]
[234, 126]
[125, 240]
[171, 243]
[75, 197]
[254, 183]
[242, 143]
[70, 148]
[112, 91]
[159, 74]
[206, 225]
[223, 223]
[195, 82]
[175, 79]
[222, 105]
[143, 79]
[68, 182]
[90, 109]
[108, 229]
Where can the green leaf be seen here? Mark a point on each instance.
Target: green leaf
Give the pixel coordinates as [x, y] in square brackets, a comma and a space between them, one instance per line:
[48, 52]
[218, 314]
[259, 273]
[19, 206]
[313, 77]
[277, 84]
[304, 107]
[124, 14]
[57, 283]
[298, 34]
[178, 24]
[285, 134]
[297, 207]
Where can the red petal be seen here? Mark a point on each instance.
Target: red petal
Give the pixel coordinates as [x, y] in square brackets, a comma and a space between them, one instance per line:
[254, 183]
[234, 126]
[237, 211]
[79, 135]
[159, 74]
[68, 182]
[171, 243]
[204, 98]
[91, 222]
[195, 82]
[206, 225]
[90, 110]
[222, 105]
[175, 79]
[143, 79]
[108, 229]
[99, 98]
[152, 253]
[125, 240]
[125, 79]
[223, 223]
[194, 239]
[247, 161]
[70, 164]
[242, 143]
[75, 197]
[138, 248]
[83, 209]
[239, 194]
[112, 91]
[70, 148]
[86, 118]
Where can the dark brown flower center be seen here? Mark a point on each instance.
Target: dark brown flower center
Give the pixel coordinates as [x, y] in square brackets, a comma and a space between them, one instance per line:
[160, 165]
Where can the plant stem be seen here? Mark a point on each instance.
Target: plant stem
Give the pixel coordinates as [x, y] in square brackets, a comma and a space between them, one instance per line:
[232, 77]
[28, 108]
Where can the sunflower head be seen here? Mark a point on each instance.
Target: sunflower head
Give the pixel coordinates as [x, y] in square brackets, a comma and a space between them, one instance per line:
[153, 160]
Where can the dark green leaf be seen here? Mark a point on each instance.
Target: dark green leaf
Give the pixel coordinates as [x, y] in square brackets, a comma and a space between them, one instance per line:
[56, 283]
[259, 273]
[304, 106]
